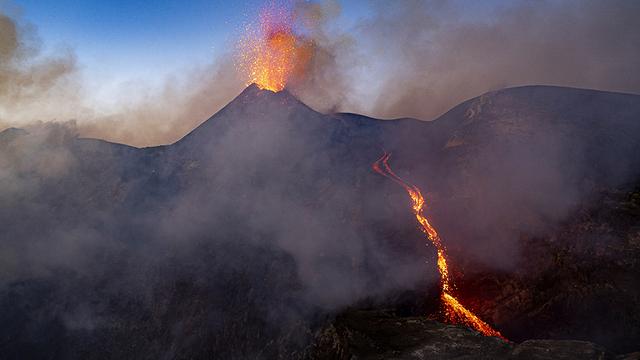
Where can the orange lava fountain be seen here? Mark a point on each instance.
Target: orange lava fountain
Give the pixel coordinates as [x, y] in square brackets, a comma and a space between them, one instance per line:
[271, 53]
[455, 312]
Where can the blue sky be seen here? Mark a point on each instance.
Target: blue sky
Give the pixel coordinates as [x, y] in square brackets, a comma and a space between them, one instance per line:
[120, 40]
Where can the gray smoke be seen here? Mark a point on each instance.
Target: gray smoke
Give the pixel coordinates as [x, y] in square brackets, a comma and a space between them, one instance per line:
[431, 58]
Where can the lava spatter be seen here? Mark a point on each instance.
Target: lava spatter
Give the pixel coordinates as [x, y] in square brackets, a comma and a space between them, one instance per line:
[271, 53]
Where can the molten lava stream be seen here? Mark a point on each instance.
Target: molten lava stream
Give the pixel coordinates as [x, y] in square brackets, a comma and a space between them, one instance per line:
[455, 312]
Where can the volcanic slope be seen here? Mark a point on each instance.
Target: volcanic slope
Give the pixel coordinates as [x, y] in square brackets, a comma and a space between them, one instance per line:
[239, 238]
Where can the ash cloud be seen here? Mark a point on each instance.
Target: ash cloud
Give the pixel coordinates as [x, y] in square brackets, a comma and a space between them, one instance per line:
[326, 84]
[34, 86]
[421, 58]
[431, 57]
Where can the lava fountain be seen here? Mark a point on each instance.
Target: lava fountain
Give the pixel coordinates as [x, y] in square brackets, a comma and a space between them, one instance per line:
[271, 53]
[455, 312]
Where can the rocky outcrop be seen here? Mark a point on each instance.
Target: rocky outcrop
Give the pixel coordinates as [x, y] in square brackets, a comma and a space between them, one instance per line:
[578, 282]
[378, 335]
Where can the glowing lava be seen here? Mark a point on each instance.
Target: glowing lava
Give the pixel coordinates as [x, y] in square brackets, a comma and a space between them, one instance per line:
[271, 53]
[455, 312]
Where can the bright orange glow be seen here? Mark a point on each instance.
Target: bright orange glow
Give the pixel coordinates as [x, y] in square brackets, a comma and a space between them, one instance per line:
[270, 54]
[455, 312]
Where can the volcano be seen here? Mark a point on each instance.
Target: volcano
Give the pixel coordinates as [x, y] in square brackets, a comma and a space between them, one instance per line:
[264, 233]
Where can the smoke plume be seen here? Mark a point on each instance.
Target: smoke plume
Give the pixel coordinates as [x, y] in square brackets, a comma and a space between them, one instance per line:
[425, 56]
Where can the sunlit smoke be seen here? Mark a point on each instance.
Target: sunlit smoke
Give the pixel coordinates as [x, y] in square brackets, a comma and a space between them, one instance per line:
[271, 53]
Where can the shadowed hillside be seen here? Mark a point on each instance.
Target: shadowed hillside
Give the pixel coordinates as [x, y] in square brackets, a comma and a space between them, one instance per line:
[245, 237]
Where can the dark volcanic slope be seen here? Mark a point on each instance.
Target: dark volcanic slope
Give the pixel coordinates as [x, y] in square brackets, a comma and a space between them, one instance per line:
[229, 242]
[237, 239]
[525, 157]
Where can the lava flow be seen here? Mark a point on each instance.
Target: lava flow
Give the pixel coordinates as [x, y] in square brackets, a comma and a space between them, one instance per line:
[271, 53]
[455, 312]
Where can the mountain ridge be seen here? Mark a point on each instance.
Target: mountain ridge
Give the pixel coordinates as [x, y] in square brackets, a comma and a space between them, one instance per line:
[275, 206]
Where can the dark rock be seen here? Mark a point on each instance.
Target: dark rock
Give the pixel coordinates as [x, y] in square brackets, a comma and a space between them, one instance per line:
[578, 282]
[559, 349]
[631, 356]
[384, 335]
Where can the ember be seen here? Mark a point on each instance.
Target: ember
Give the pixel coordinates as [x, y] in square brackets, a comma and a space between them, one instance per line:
[271, 53]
